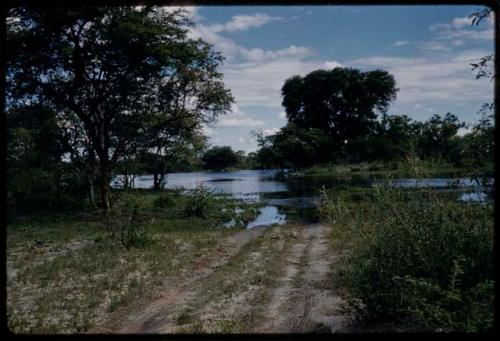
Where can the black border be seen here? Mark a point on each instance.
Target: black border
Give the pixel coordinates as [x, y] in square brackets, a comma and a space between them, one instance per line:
[494, 4]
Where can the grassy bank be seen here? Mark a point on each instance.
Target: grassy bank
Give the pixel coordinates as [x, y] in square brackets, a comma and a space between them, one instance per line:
[395, 168]
[413, 260]
[70, 272]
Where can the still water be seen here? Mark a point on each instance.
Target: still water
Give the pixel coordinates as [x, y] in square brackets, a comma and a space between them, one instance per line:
[277, 191]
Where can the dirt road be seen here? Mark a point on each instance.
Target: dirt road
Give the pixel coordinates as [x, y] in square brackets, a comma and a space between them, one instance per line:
[269, 280]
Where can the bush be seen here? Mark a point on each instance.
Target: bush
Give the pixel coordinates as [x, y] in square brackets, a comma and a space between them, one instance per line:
[417, 259]
[126, 222]
[198, 203]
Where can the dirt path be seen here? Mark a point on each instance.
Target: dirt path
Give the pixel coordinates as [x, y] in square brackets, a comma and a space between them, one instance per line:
[305, 302]
[273, 282]
[149, 316]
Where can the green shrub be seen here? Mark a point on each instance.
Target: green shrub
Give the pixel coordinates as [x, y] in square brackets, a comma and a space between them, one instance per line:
[417, 259]
[126, 222]
[198, 203]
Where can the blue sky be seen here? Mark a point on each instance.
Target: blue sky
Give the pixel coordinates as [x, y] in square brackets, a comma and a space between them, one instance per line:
[427, 48]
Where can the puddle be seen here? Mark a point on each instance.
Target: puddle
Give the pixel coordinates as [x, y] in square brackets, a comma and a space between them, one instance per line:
[474, 197]
[268, 215]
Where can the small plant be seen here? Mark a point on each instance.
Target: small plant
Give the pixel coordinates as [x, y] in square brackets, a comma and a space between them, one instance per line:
[184, 317]
[126, 224]
[198, 202]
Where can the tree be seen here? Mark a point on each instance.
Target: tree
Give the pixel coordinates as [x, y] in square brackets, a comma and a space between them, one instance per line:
[341, 102]
[301, 147]
[101, 70]
[437, 135]
[37, 177]
[191, 95]
[394, 136]
[219, 158]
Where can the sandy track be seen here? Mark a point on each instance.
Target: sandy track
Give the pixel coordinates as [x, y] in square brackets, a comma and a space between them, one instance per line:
[301, 298]
[305, 302]
[149, 316]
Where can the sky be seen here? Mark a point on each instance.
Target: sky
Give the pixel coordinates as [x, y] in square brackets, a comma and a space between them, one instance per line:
[428, 50]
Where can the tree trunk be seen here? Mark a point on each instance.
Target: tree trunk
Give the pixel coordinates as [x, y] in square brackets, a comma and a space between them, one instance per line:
[92, 192]
[90, 171]
[104, 186]
[125, 181]
[58, 187]
[156, 183]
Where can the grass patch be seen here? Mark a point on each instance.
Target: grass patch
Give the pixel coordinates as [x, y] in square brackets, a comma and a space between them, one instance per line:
[434, 167]
[235, 295]
[70, 273]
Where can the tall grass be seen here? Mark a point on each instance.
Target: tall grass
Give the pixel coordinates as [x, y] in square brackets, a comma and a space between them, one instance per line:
[415, 258]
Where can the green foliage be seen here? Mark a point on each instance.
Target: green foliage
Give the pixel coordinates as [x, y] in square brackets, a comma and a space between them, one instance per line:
[219, 158]
[119, 78]
[37, 179]
[126, 222]
[341, 102]
[417, 259]
[198, 203]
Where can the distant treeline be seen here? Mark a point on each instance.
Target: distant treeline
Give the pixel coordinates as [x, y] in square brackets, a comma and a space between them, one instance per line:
[393, 138]
[340, 116]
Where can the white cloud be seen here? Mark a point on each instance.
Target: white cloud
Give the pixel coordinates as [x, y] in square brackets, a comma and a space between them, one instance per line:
[238, 118]
[460, 28]
[282, 115]
[255, 76]
[208, 131]
[439, 27]
[211, 33]
[190, 12]
[259, 83]
[270, 131]
[244, 22]
[463, 131]
[435, 46]
[332, 64]
[423, 80]
[461, 22]
[261, 55]
[400, 43]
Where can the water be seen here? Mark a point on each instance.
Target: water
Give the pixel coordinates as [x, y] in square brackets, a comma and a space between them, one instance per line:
[268, 215]
[278, 193]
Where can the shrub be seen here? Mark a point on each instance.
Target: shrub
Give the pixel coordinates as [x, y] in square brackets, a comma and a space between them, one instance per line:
[126, 222]
[198, 202]
[417, 259]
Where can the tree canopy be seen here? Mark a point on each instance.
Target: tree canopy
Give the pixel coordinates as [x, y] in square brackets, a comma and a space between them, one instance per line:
[219, 158]
[115, 77]
[342, 102]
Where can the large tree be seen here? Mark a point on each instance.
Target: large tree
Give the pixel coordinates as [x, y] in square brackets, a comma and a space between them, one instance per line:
[102, 70]
[219, 158]
[342, 102]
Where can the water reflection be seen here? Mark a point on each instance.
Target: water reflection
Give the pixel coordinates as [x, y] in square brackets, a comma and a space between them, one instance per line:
[268, 215]
[474, 197]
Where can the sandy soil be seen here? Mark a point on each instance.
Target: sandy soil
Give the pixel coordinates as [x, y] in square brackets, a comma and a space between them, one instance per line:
[299, 300]
[305, 301]
[149, 316]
